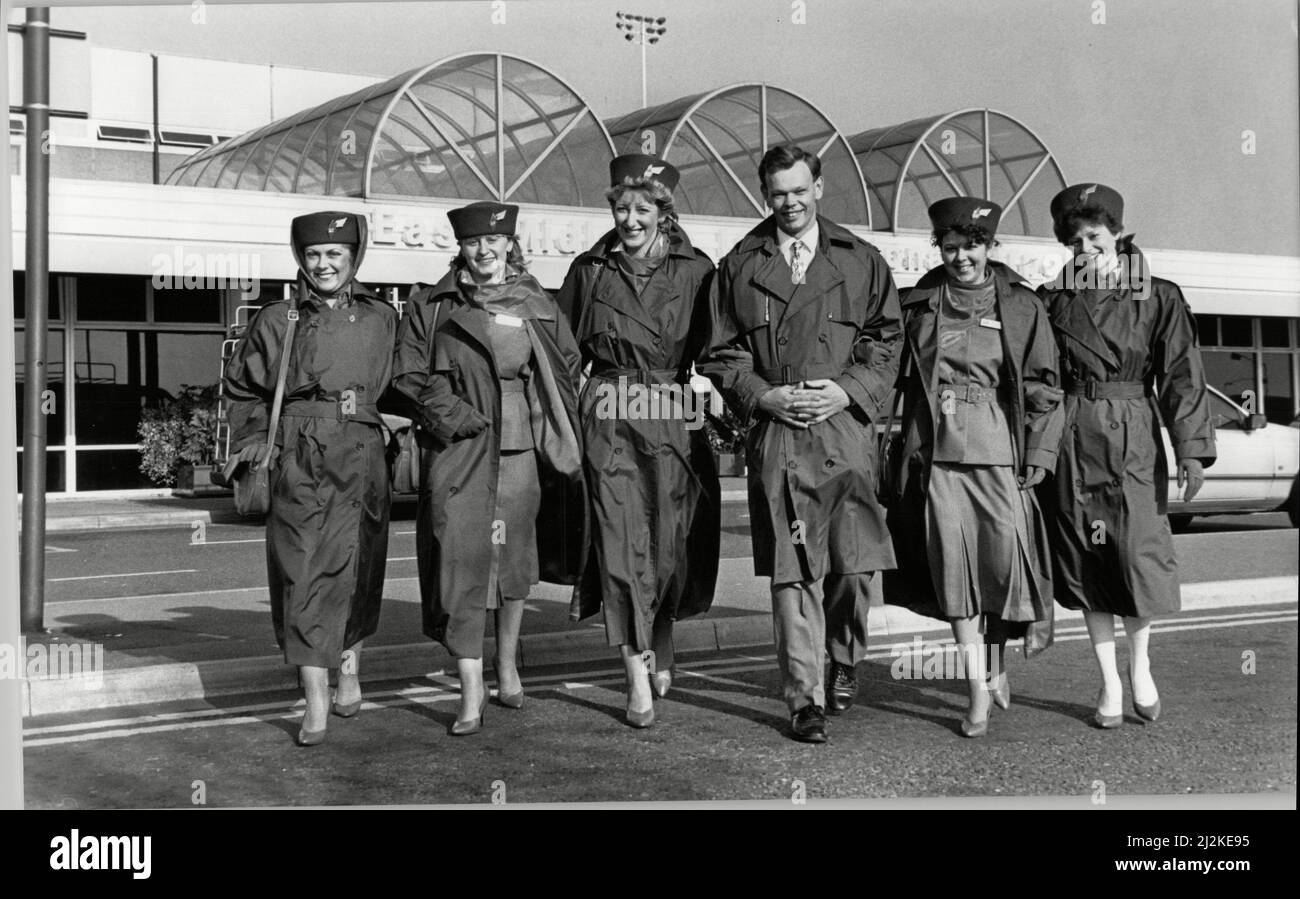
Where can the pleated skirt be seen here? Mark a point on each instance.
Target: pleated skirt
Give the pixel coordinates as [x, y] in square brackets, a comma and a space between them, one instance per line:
[978, 544]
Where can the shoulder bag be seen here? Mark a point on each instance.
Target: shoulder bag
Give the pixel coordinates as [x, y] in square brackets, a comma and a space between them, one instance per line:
[253, 482]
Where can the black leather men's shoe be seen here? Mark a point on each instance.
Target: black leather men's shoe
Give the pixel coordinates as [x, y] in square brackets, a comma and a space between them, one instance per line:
[808, 725]
[841, 688]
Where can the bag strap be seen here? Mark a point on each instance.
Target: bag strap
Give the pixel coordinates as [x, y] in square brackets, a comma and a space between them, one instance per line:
[285, 353]
[904, 368]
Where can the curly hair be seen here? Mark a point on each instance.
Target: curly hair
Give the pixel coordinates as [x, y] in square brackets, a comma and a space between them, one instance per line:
[660, 195]
[514, 256]
[1068, 225]
[971, 234]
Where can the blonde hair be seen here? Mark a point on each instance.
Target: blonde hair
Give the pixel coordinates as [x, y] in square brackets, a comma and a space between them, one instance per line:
[660, 195]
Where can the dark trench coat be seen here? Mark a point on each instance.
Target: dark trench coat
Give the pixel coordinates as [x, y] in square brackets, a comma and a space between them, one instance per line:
[1029, 391]
[817, 484]
[1112, 470]
[444, 384]
[653, 482]
[327, 528]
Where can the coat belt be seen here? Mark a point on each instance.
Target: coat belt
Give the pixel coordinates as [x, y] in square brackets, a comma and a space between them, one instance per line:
[1108, 390]
[634, 375]
[363, 412]
[970, 393]
[792, 374]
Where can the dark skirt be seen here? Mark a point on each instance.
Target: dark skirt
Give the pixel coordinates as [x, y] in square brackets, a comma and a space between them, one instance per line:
[519, 497]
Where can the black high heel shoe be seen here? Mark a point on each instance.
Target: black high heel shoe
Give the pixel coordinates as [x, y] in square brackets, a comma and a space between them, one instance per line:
[509, 700]
[474, 725]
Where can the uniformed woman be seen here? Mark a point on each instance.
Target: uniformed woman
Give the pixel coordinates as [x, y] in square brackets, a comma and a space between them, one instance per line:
[638, 305]
[981, 424]
[492, 382]
[1130, 360]
[327, 528]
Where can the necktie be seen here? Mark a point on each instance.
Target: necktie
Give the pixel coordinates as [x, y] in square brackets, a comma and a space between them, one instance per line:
[798, 267]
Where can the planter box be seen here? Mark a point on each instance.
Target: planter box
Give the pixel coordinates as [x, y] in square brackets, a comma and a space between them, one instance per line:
[196, 480]
[730, 465]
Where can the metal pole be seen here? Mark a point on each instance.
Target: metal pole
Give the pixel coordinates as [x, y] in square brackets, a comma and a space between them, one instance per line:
[644, 101]
[157, 134]
[11, 692]
[36, 103]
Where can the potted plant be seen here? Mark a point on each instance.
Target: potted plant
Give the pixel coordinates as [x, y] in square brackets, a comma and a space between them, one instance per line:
[177, 441]
[727, 438]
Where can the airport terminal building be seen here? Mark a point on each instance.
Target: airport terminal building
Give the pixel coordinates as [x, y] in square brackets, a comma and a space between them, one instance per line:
[173, 181]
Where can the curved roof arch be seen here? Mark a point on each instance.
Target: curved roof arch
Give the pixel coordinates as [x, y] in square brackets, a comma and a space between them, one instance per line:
[474, 126]
[717, 138]
[969, 152]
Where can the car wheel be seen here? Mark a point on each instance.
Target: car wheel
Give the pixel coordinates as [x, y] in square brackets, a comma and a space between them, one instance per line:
[1293, 504]
[1179, 523]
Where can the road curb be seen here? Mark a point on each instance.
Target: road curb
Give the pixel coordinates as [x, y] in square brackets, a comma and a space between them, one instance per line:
[148, 684]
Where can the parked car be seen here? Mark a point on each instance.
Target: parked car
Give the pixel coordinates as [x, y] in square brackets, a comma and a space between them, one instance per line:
[1256, 470]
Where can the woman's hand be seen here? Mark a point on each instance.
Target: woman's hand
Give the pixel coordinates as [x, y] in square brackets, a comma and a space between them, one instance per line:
[1192, 474]
[473, 424]
[254, 454]
[1033, 476]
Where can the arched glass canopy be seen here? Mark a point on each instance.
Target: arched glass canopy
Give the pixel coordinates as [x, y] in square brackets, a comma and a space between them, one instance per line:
[716, 140]
[482, 126]
[972, 152]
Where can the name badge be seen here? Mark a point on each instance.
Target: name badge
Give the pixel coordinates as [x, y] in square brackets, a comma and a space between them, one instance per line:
[991, 323]
[503, 319]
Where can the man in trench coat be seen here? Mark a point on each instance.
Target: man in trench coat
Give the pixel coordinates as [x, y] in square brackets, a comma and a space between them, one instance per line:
[791, 302]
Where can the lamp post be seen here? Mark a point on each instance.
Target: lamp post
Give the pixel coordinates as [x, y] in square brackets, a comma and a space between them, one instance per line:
[642, 30]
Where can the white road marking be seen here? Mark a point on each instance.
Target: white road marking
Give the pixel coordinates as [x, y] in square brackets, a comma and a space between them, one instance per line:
[59, 549]
[226, 590]
[96, 577]
[224, 542]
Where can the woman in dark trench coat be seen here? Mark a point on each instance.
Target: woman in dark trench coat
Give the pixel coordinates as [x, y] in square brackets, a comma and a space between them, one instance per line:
[981, 424]
[1130, 360]
[638, 305]
[492, 387]
[327, 528]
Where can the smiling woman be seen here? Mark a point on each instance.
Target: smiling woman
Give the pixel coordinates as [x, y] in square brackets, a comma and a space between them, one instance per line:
[635, 301]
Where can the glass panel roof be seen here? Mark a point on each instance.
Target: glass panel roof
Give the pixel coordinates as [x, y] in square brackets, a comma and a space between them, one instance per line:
[973, 152]
[717, 139]
[475, 127]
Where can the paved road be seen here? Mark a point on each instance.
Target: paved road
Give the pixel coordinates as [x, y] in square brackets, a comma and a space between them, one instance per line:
[719, 736]
[105, 564]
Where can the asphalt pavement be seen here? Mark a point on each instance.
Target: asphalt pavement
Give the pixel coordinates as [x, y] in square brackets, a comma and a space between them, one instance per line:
[192, 690]
[1226, 731]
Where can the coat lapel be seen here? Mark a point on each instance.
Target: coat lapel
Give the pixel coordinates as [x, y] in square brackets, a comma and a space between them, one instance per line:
[1075, 321]
[615, 292]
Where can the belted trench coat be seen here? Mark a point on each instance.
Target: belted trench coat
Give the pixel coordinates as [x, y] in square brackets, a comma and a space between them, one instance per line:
[1107, 507]
[653, 483]
[1029, 392]
[446, 372]
[327, 527]
[812, 492]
